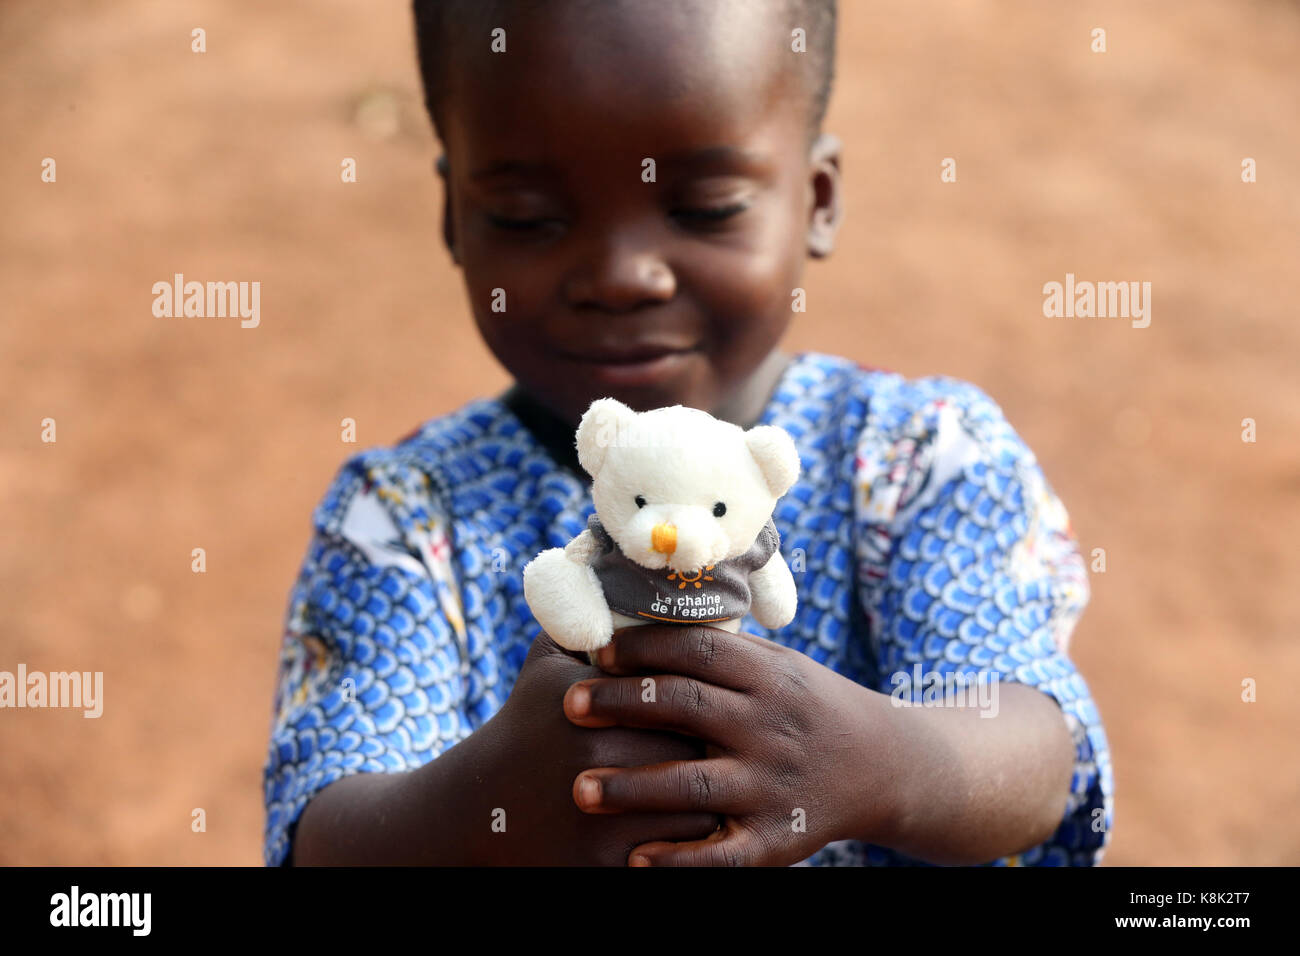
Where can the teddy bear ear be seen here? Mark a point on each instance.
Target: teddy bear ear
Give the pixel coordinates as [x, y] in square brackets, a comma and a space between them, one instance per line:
[777, 457]
[600, 428]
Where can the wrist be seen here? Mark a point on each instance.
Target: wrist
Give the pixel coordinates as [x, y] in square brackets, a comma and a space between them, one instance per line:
[878, 784]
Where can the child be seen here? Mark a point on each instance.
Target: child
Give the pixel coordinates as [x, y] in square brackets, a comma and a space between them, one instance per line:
[421, 716]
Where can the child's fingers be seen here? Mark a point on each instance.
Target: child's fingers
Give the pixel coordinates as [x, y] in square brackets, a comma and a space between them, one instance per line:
[674, 827]
[738, 661]
[666, 702]
[716, 785]
[732, 845]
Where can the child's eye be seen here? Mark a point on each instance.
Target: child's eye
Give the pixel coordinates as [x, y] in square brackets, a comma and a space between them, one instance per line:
[704, 216]
[522, 225]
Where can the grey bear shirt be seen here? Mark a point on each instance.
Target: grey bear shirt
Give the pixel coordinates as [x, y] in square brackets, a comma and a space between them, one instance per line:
[717, 592]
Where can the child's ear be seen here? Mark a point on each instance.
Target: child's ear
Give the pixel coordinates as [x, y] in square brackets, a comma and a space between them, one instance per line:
[777, 457]
[825, 195]
[602, 425]
[448, 230]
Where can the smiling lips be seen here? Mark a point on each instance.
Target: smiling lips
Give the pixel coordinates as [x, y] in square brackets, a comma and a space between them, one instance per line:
[629, 354]
[633, 366]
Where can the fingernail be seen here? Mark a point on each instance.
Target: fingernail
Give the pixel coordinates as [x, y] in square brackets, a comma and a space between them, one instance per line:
[579, 701]
[589, 791]
[636, 859]
[605, 656]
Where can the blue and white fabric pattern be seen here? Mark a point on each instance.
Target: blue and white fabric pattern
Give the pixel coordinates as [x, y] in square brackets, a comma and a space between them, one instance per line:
[923, 538]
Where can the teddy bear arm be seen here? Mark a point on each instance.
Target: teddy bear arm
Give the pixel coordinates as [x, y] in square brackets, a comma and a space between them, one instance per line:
[773, 593]
[582, 549]
[567, 600]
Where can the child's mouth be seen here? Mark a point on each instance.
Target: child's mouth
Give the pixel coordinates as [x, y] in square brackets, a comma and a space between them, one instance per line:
[634, 366]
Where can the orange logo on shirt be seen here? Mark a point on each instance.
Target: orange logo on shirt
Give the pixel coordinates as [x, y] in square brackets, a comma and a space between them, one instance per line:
[695, 579]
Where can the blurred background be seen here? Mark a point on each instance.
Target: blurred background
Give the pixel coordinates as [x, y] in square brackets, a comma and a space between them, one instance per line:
[175, 435]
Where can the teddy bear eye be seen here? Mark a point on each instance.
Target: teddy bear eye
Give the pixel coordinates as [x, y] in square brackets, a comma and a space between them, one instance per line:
[640, 502]
[719, 510]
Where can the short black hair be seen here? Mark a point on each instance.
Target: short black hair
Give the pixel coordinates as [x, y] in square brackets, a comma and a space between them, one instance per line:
[439, 25]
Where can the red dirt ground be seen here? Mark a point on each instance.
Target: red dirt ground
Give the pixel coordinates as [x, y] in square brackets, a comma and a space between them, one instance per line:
[176, 435]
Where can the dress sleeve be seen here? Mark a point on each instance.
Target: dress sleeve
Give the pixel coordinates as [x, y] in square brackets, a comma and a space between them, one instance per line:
[968, 564]
[371, 673]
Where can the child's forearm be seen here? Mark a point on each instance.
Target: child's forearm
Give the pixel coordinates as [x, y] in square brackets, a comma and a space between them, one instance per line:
[970, 789]
[371, 819]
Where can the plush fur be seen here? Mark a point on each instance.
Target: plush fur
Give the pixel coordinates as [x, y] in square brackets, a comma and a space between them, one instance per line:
[683, 462]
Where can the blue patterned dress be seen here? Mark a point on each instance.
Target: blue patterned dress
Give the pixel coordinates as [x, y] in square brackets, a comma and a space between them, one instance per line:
[921, 531]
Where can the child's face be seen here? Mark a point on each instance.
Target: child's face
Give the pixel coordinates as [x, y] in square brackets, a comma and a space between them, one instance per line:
[548, 200]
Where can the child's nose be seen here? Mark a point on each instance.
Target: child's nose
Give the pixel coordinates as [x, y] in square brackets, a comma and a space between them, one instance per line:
[619, 279]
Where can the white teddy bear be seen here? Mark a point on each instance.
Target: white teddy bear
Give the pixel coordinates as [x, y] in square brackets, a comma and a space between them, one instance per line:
[682, 533]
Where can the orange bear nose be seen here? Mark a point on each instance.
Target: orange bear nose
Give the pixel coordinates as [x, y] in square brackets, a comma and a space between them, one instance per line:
[663, 538]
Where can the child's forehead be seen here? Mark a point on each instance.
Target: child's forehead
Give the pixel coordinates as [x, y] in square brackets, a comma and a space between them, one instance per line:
[618, 57]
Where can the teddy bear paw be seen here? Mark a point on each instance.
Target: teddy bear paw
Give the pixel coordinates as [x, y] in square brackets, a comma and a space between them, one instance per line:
[567, 601]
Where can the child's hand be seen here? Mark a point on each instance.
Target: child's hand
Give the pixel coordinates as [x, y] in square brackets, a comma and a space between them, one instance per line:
[529, 755]
[796, 756]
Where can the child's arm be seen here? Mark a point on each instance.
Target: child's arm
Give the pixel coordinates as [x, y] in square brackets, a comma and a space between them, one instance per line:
[967, 564]
[501, 796]
[971, 789]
